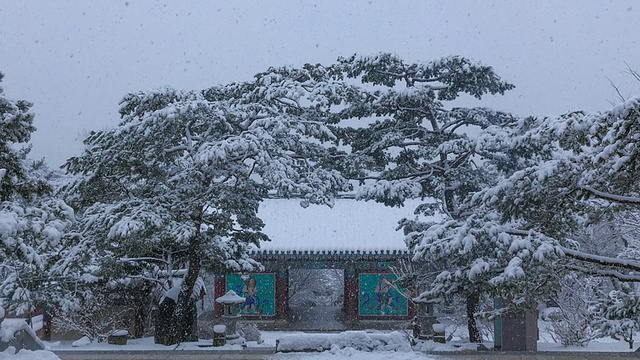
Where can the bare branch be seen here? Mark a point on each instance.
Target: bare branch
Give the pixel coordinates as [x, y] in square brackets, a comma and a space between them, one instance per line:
[633, 72]
[460, 160]
[617, 89]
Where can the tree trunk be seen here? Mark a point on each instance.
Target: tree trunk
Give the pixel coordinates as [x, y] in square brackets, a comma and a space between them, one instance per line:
[473, 301]
[183, 324]
[139, 320]
[186, 302]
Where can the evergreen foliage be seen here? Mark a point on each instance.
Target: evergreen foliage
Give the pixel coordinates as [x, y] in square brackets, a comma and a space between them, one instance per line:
[184, 172]
[581, 174]
[33, 223]
[618, 313]
[409, 143]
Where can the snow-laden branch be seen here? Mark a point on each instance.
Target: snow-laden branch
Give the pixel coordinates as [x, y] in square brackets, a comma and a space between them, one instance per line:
[189, 136]
[587, 257]
[185, 147]
[412, 176]
[288, 102]
[512, 231]
[147, 278]
[607, 273]
[612, 197]
[176, 149]
[602, 260]
[253, 117]
[437, 87]
[398, 75]
[144, 259]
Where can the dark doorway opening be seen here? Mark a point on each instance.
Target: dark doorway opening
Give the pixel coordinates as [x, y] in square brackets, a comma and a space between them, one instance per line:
[316, 299]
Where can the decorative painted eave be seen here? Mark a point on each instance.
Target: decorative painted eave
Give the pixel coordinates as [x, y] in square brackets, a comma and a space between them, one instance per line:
[328, 252]
[335, 256]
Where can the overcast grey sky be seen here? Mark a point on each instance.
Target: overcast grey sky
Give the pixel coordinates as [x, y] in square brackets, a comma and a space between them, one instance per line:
[76, 59]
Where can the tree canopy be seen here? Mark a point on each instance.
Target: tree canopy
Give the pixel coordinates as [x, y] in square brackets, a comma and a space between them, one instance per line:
[184, 171]
[187, 169]
[178, 182]
[408, 141]
[33, 223]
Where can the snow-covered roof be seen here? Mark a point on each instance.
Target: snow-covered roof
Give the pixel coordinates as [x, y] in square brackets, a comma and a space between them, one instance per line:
[349, 226]
[230, 298]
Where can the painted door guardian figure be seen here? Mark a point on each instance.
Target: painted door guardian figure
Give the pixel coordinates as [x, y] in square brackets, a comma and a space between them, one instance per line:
[249, 291]
[379, 298]
[258, 289]
[382, 297]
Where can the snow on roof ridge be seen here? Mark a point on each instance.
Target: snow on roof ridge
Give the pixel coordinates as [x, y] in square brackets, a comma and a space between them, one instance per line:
[351, 226]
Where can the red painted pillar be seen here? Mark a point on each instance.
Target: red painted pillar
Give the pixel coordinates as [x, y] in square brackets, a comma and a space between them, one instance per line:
[351, 289]
[218, 290]
[282, 296]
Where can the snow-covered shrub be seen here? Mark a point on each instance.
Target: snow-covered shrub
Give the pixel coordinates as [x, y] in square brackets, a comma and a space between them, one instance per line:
[249, 331]
[618, 314]
[359, 340]
[112, 307]
[94, 319]
[570, 322]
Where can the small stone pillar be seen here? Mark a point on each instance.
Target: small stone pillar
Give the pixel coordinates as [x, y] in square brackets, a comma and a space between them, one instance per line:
[219, 338]
[118, 337]
[231, 302]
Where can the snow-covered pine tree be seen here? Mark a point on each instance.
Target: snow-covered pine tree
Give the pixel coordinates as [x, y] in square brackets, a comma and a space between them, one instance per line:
[590, 177]
[33, 223]
[585, 173]
[410, 143]
[186, 171]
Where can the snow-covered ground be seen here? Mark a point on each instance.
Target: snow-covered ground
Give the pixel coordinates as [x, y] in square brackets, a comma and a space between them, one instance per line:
[350, 345]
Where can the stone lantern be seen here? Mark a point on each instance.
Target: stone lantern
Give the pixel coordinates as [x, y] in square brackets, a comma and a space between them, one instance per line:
[425, 318]
[231, 302]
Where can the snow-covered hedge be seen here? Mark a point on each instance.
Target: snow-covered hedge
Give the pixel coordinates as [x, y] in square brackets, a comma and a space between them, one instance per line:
[358, 340]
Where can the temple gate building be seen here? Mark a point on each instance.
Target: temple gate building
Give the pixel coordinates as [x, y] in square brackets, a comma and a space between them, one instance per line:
[357, 238]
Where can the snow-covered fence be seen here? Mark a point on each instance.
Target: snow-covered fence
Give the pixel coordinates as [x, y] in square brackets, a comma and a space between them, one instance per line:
[359, 340]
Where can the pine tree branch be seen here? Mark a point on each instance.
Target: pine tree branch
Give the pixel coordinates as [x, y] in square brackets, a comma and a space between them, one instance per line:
[144, 259]
[461, 159]
[407, 176]
[176, 149]
[612, 197]
[602, 260]
[606, 273]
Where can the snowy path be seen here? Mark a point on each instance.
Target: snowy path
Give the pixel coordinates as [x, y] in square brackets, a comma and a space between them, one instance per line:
[164, 355]
[353, 355]
[317, 318]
